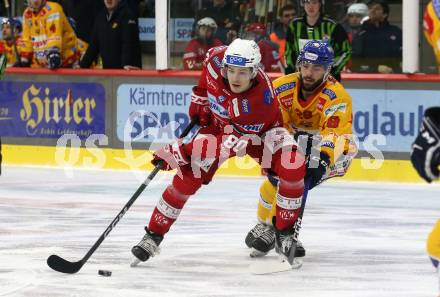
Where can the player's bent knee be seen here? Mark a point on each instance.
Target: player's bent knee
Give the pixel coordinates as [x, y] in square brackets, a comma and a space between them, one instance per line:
[292, 166]
[189, 185]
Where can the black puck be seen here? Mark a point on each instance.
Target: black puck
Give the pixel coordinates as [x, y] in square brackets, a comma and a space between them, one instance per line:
[105, 272]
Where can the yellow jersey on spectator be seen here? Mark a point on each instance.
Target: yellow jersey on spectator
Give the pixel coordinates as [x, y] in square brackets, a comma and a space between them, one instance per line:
[431, 27]
[327, 112]
[45, 30]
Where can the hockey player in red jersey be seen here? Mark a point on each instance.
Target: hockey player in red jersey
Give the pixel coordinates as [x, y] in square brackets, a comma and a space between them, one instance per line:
[238, 114]
[195, 51]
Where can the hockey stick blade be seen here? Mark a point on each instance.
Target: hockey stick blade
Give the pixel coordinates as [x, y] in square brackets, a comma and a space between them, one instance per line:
[269, 267]
[59, 264]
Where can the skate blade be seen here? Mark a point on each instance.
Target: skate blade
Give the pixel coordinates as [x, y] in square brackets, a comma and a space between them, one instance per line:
[269, 267]
[256, 253]
[135, 262]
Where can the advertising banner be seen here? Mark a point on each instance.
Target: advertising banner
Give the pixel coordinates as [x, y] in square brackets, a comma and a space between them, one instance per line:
[50, 110]
[394, 114]
[180, 29]
[386, 119]
[152, 113]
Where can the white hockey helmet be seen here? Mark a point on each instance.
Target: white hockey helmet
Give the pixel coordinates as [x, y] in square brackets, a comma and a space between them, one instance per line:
[242, 53]
[358, 8]
[209, 22]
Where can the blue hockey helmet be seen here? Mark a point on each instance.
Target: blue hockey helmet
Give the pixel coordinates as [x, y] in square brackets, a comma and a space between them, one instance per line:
[15, 24]
[316, 52]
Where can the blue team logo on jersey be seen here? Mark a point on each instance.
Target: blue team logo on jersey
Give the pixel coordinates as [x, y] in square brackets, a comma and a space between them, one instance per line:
[235, 60]
[285, 87]
[217, 108]
[251, 128]
[267, 97]
[217, 62]
[328, 144]
[221, 99]
[245, 105]
[329, 93]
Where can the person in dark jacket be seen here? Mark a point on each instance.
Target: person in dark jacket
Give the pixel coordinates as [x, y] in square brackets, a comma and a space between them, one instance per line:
[378, 46]
[84, 12]
[115, 38]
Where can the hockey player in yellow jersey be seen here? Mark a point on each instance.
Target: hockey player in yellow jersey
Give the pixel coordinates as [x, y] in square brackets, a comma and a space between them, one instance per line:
[431, 27]
[425, 157]
[48, 39]
[317, 110]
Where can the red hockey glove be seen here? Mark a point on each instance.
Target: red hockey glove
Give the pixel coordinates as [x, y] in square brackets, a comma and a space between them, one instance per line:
[199, 107]
[173, 156]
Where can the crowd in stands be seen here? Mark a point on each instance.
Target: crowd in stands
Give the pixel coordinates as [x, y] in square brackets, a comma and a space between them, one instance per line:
[105, 33]
[361, 36]
[73, 33]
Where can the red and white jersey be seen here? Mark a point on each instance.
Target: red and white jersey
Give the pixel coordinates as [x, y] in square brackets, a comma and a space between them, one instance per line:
[195, 53]
[252, 112]
[270, 58]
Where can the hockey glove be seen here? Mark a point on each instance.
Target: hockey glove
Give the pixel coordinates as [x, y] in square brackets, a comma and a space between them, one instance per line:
[199, 107]
[425, 155]
[316, 168]
[172, 155]
[53, 59]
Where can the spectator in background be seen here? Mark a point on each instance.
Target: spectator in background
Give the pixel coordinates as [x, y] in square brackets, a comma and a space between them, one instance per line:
[226, 16]
[378, 44]
[357, 13]
[195, 51]
[314, 25]
[270, 59]
[431, 27]
[336, 9]
[11, 43]
[278, 36]
[133, 5]
[48, 38]
[84, 12]
[115, 38]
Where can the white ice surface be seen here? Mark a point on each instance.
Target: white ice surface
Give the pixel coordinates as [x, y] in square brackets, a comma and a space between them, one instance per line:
[362, 239]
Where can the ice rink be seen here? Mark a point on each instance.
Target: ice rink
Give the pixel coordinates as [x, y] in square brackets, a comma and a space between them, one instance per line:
[362, 239]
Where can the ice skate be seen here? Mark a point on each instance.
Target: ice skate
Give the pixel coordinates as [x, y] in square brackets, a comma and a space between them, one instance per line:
[261, 239]
[148, 247]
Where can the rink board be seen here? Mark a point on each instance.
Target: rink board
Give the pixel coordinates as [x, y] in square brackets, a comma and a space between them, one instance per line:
[97, 106]
[360, 170]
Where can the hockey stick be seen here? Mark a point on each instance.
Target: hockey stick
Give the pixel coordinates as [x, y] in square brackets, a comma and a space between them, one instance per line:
[298, 224]
[61, 265]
